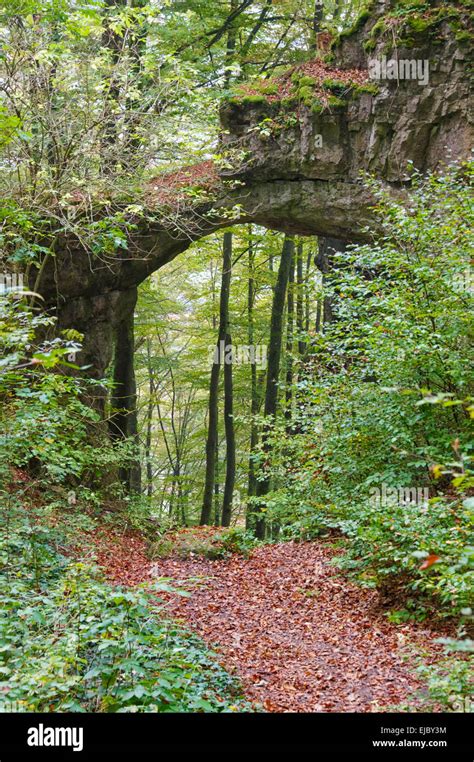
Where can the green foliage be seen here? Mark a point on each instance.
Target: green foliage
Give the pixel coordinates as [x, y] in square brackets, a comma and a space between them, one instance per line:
[384, 394]
[449, 681]
[364, 16]
[44, 419]
[70, 642]
[387, 400]
[449, 685]
[237, 540]
[390, 543]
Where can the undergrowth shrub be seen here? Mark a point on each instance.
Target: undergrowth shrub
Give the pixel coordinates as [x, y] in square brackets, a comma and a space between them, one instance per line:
[71, 642]
[386, 406]
[386, 403]
[68, 640]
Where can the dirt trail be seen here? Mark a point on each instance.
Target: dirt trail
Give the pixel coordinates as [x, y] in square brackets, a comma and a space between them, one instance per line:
[298, 634]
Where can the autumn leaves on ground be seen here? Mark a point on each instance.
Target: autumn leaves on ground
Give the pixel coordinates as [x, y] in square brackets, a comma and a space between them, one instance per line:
[299, 635]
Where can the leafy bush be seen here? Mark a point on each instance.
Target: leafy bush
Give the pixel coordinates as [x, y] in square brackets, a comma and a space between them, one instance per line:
[387, 399]
[44, 422]
[430, 547]
[448, 683]
[71, 642]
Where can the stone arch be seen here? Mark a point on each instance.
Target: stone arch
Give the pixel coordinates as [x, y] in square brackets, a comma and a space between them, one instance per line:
[283, 180]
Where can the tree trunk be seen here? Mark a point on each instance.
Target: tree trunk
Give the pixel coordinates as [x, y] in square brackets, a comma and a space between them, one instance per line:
[123, 421]
[307, 275]
[230, 47]
[114, 42]
[273, 373]
[254, 401]
[299, 300]
[289, 340]
[211, 443]
[217, 507]
[149, 424]
[212, 432]
[318, 15]
[228, 403]
[324, 261]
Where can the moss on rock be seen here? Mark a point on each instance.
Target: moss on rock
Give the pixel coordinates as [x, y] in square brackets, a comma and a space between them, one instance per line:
[335, 102]
[367, 89]
[364, 16]
[317, 107]
[337, 87]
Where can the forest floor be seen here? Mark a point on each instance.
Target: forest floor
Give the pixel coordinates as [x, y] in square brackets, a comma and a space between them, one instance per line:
[299, 635]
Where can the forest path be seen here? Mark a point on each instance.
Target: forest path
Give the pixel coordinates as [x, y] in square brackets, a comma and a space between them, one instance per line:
[297, 633]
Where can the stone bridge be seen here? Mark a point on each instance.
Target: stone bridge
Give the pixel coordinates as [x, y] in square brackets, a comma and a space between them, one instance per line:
[296, 151]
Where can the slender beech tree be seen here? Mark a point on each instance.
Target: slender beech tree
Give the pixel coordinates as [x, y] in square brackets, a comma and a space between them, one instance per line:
[149, 422]
[228, 401]
[254, 397]
[217, 500]
[289, 340]
[299, 299]
[273, 375]
[307, 290]
[318, 15]
[123, 401]
[324, 260]
[213, 414]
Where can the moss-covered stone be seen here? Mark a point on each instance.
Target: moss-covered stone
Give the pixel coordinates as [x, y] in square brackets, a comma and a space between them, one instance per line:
[300, 80]
[269, 89]
[337, 87]
[262, 88]
[317, 107]
[305, 93]
[418, 24]
[367, 89]
[364, 16]
[252, 99]
[231, 100]
[335, 102]
[306, 81]
[289, 101]
[407, 42]
[414, 20]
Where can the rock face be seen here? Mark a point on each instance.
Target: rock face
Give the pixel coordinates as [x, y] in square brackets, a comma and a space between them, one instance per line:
[424, 121]
[298, 167]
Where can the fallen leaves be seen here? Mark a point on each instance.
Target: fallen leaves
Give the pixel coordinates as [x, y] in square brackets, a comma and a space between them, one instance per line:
[121, 554]
[318, 71]
[170, 187]
[294, 652]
